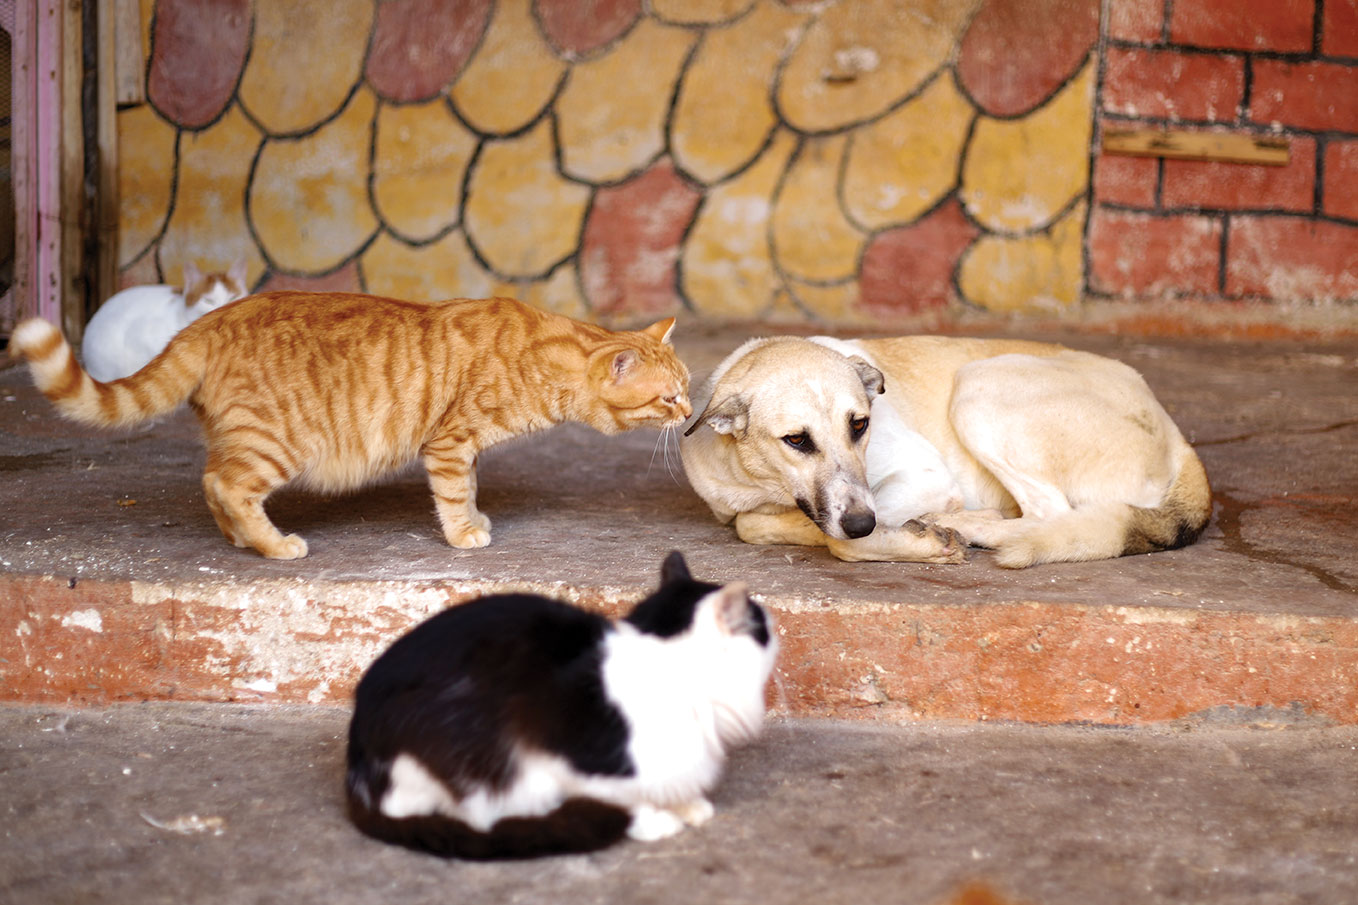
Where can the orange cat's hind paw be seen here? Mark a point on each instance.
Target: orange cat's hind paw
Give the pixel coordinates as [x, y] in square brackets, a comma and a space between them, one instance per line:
[290, 547]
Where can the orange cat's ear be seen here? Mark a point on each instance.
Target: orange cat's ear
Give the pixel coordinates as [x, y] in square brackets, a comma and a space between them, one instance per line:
[624, 363]
[661, 330]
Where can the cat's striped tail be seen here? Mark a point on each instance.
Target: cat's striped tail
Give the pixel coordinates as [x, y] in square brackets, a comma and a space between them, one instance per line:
[156, 389]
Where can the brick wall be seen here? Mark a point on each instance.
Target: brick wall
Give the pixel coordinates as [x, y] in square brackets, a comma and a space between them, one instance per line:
[1209, 230]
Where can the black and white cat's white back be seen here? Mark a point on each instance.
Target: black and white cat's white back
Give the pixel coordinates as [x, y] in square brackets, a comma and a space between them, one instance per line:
[515, 725]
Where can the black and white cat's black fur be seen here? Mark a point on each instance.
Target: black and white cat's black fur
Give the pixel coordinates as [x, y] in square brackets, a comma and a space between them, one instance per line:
[515, 725]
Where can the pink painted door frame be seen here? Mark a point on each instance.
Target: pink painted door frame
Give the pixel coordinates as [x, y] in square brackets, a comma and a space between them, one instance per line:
[36, 33]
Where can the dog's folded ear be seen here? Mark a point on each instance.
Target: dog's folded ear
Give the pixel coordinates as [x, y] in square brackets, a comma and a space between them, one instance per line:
[729, 415]
[873, 381]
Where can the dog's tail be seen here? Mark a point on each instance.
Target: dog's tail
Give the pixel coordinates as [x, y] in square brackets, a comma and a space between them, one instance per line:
[155, 390]
[1107, 530]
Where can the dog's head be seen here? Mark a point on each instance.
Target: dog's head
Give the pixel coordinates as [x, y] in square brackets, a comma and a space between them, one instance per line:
[794, 416]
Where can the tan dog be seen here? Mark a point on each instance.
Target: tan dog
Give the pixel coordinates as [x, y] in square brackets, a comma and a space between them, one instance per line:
[889, 449]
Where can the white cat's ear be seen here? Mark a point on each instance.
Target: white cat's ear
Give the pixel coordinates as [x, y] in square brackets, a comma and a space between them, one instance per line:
[733, 608]
[661, 330]
[730, 415]
[623, 364]
[238, 272]
[191, 274]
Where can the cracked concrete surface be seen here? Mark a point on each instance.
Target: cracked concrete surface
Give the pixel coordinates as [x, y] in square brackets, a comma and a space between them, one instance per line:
[174, 803]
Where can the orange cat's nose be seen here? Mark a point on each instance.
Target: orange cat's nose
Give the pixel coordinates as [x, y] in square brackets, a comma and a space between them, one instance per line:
[685, 408]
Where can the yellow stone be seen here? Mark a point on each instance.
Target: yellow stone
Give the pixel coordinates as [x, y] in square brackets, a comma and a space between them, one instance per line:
[559, 293]
[610, 119]
[208, 224]
[727, 266]
[1037, 273]
[723, 114]
[699, 12]
[309, 198]
[513, 75]
[1019, 174]
[145, 179]
[520, 214]
[860, 58]
[420, 160]
[902, 165]
[835, 303]
[305, 57]
[445, 269]
[812, 240]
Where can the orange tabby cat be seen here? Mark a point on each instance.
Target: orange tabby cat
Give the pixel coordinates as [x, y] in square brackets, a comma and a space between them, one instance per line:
[335, 389]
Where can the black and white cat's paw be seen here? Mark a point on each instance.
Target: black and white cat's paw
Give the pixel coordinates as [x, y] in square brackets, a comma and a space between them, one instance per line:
[650, 823]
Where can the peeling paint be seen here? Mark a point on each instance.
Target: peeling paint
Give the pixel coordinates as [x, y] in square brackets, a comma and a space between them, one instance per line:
[90, 620]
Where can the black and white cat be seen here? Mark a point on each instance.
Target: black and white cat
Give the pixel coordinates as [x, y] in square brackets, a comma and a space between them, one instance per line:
[515, 725]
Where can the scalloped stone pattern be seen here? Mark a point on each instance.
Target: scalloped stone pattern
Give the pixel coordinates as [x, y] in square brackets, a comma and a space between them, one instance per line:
[836, 161]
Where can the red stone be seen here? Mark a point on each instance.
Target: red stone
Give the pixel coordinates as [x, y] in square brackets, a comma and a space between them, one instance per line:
[580, 27]
[1339, 35]
[1126, 180]
[1234, 186]
[1292, 258]
[1320, 96]
[1136, 20]
[344, 279]
[420, 46]
[1173, 85]
[198, 48]
[631, 242]
[1009, 62]
[1283, 25]
[1134, 254]
[1340, 192]
[910, 270]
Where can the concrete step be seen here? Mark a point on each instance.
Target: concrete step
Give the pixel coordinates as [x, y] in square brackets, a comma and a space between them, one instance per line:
[116, 585]
[172, 803]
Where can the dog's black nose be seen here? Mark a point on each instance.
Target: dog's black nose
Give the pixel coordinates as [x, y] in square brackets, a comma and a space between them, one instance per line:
[858, 524]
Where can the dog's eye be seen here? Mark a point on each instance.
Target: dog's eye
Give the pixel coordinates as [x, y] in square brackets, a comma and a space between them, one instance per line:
[800, 441]
[857, 426]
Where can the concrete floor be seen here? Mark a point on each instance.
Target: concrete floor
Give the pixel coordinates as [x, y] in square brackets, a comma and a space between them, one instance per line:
[175, 803]
[1258, 618]
[1236, 657]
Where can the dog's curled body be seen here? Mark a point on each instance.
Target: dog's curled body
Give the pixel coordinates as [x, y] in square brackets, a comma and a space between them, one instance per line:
[1042, 453]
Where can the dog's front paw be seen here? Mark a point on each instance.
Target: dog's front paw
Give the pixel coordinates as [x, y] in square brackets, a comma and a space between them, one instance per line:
[942, 545]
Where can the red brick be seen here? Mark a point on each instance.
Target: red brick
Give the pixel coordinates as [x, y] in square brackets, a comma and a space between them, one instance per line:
[1321, 96]
[1340, 28]
[1136, 20]
[1125, 180]
[1243, 24]
[1135, 254]
[1291, 258]
[1236, 186]
[1173, 85]
[1341, 179]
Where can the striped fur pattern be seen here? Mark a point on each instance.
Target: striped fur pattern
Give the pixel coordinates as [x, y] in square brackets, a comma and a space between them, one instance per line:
[333, 390]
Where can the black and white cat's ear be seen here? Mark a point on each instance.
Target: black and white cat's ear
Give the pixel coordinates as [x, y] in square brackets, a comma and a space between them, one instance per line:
[661, 330]
[674, 568]
[729, 415]
[733, 608]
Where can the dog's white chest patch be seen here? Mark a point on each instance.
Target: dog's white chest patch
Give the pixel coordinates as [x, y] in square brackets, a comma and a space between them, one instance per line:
[905, 471]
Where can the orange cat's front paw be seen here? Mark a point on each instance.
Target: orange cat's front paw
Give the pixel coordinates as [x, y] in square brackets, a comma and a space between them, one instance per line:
[471, 538]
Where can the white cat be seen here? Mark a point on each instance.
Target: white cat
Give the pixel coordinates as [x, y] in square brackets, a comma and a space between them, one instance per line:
[135, 325]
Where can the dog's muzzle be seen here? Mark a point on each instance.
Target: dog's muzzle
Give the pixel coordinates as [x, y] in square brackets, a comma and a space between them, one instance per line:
[859, 523]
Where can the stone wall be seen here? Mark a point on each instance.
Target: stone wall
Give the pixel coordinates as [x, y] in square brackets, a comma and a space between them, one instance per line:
[843, 162]
[1194, 229]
